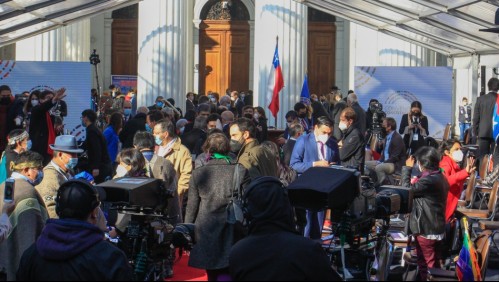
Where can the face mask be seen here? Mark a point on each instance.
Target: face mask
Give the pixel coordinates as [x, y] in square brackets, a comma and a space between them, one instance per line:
[416, 114]
[213, 100]
[233, 98]
[323, 138]
[256, 115]
[342, 126]
[159, 104]
[458, 156]
[34, 103]
[5, 100]
[72, 163]
[303, 115]
[38, 179]
[128, 112]
[242, 96]
[158, 140]
[121, 171]
[182, 130]
[235, 146]
[28, 145]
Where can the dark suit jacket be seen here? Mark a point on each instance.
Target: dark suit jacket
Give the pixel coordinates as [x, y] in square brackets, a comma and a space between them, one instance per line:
[335, 116]
[396, 152]
[189, 106]
[288, 150]
[239, 105]
[482, 115]
[137, 123]
[98, 158]
[191, 138]
[360, 122]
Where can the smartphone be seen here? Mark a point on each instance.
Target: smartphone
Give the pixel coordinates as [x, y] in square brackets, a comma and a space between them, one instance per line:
[8, 195]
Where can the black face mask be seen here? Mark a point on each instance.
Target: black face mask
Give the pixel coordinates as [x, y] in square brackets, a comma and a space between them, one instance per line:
[5, 101]
[303, 115]
[235, 146]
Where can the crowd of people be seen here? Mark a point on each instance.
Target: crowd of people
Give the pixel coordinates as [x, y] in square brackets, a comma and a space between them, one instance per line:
[54, 228]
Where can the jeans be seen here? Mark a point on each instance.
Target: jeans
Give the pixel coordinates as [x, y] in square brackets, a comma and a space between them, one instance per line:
[381, 170]
[462, 128]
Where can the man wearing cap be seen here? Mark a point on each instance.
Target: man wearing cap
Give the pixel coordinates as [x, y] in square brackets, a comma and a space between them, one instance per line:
[73, 248]
[29, 215]
[59, 170]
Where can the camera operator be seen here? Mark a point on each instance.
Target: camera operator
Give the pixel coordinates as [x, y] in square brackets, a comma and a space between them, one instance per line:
[371, 111]
[392, 153]
[73, 247]
[427, 219]
[414, 127]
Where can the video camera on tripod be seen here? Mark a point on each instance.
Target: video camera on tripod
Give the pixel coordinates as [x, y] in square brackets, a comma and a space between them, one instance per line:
[148, 238]
[376, 130]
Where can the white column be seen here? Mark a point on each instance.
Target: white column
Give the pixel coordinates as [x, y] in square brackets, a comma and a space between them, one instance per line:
[163, 50]
[288, 20]
[100, 40]
[69, 43]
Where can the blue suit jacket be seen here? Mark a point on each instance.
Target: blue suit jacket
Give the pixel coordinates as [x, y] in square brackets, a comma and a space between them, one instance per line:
[305, 153]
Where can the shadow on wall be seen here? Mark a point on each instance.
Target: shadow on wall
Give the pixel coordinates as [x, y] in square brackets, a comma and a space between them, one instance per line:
[284, 14]
[390, 52]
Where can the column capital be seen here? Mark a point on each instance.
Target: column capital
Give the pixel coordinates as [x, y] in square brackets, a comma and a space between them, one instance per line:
[197, 23]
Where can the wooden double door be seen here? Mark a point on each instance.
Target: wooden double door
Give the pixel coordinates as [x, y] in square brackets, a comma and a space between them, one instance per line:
[224, 53]
[321, 56]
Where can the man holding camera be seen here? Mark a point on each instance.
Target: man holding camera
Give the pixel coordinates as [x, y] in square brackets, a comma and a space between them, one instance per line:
[392, 153]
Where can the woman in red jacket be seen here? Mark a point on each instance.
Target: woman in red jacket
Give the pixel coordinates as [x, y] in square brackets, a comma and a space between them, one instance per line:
[451, 157]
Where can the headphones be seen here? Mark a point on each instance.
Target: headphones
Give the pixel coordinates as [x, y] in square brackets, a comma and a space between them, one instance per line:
[255, 183]
[84, 187]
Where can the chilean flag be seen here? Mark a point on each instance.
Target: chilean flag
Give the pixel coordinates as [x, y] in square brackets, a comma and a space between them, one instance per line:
[276, 83]
[495, 120]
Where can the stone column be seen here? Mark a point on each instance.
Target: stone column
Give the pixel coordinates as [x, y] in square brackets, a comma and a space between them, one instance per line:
[69, 43]
[288, 20]
[163, 50]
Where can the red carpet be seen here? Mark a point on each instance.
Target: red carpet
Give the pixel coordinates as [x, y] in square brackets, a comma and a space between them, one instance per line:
[182, 272]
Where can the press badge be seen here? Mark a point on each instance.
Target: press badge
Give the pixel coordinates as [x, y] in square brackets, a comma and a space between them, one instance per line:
[415, 137]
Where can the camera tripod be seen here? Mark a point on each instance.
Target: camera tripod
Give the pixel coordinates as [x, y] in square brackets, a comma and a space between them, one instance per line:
[95, 60]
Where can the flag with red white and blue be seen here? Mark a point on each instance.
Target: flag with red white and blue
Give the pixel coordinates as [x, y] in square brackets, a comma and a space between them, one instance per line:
[276, 83]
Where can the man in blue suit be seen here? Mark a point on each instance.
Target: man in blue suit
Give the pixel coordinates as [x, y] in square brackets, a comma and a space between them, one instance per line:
[316, 149]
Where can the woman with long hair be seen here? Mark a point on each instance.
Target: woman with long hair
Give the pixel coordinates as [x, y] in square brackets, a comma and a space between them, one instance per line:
[111, 133]
[452, 155]
[427, 219]
[30, 103]
[261, 123]
[131, 163]
[414, 128]
[211, 189]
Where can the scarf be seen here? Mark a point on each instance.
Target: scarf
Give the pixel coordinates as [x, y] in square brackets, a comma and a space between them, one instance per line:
[218, 156]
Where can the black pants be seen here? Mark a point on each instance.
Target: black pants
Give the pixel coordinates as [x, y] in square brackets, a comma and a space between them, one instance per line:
[487, 146]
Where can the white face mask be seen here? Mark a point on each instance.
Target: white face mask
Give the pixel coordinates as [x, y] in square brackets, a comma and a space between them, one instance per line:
[342, 126]
[458, 156]
[34, 103]
[256, 115]
[323, 138]
[419, 167]
[121, 171]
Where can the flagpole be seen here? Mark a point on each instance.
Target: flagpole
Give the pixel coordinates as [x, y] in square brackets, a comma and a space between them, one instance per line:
[277, 44]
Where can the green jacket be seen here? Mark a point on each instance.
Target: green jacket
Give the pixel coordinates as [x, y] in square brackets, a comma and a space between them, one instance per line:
[258, 160]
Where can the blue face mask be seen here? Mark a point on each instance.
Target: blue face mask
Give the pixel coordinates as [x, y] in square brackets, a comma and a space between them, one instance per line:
[158, 140]
[159, 104]
[28, 145]
[72, 163]
[38, 179]
[128, 112]
[148, 128]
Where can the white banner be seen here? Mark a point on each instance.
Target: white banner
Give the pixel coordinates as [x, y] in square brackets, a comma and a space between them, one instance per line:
[75, 77]
[397, 87]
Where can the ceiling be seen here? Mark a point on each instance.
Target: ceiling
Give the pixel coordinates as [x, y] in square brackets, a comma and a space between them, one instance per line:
[24, 18]
[450, 27]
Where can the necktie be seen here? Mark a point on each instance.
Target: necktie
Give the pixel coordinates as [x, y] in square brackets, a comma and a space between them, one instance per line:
[322, 150]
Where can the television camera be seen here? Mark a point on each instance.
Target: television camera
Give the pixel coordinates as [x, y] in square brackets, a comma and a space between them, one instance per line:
[376, 130]
[136, 207]
[356, 208]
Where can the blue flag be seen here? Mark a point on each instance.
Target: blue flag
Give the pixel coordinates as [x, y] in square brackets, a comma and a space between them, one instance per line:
[495, 120]
[305, 93]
